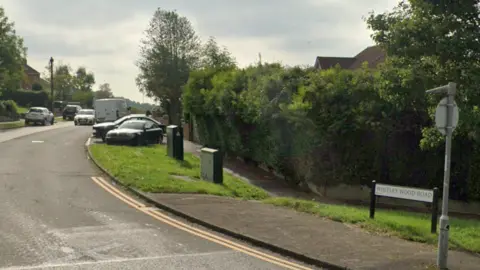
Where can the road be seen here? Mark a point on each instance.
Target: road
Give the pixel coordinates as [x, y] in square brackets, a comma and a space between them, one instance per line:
[53, 216]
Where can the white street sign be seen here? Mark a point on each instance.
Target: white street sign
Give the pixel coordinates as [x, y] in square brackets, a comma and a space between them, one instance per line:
[441, 116]
[407, 193]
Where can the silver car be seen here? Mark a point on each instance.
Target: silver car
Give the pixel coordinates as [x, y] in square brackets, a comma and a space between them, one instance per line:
[39, 115]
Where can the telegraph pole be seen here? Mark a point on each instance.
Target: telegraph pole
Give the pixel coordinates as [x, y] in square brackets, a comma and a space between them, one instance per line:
[51, 82]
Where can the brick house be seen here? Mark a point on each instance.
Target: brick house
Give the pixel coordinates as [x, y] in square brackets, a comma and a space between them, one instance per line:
[31, 76]
[374, 55]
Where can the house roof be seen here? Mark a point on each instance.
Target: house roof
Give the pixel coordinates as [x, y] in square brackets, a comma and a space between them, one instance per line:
[329, 62]
[29, 70]
[373, 55]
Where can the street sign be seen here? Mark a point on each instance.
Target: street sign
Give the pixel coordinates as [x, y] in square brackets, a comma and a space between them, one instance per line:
[441, 116]
[407, 193]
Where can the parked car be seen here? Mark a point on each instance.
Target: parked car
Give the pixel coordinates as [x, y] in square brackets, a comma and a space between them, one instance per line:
[70, 111]
[100, 130]
[136, 132]
[84, 117]
[39, 115]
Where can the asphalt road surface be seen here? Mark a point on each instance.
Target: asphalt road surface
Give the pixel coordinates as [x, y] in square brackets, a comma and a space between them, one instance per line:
[53, 216]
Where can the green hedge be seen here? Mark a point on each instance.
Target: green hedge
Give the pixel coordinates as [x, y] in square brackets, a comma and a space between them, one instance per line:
[8, 108]
[327, 127]
[27, 98]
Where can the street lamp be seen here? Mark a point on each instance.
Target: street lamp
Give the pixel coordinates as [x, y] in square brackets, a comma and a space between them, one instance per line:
[446, 120]
[51, 81]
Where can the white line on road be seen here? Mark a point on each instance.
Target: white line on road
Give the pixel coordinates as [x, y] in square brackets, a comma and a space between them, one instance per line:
[37, 141]
[123, 260]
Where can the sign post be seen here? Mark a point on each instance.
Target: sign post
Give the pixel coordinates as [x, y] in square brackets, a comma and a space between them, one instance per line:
[446, 120]
[405, 193]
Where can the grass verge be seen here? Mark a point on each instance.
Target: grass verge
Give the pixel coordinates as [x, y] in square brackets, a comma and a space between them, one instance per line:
[150, 169]
[10, 125]
[464, 234]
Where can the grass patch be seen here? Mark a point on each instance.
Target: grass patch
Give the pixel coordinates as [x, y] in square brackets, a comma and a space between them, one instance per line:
[150, 169]
[10, 125]
[22, 110]
[464, 234]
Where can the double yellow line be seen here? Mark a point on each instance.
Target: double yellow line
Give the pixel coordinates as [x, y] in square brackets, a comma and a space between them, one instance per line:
[195, 231]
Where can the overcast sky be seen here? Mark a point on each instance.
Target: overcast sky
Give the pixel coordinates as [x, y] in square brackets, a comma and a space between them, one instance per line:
[103, 35]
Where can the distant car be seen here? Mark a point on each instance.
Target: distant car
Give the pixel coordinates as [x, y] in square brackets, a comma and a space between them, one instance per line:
[39, 115]
[100, 130]
[70, 111]
[84, 117]
[135, 132]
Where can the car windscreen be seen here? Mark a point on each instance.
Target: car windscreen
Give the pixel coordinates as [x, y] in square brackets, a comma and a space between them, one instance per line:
[82, 112]
[133, 125]
[70, 109]
[121, 120]
[35, 110]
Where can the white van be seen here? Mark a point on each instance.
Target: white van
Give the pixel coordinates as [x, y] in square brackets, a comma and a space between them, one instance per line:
[106, 109]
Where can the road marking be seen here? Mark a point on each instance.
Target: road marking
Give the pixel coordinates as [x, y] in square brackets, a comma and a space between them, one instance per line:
[37, 141]
[196, 231]
[87, 143]
[122, 260]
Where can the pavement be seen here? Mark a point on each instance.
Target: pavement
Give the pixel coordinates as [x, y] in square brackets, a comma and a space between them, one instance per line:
[54, 216]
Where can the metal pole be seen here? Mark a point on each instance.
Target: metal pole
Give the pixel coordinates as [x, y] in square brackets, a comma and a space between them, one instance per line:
[444, 221]
[51, 82]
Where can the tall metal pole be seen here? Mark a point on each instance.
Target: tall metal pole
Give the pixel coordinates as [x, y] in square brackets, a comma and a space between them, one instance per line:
[444, 220]
[51, 82]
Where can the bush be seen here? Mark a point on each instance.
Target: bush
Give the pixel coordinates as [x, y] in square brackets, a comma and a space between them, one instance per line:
[26, 98]
[8, 108]
[327, 127]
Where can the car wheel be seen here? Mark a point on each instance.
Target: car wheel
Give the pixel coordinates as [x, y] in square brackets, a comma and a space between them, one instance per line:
[27, 123]
[45, 122]
[75, 122]
[52, 122]
[104, 139]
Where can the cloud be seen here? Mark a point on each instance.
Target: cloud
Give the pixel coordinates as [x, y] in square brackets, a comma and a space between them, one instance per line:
[104, 35]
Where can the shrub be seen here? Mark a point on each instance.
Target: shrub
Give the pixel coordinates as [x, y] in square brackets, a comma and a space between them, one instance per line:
[27, 98]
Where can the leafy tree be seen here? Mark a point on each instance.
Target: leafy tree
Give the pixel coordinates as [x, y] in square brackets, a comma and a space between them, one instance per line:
[12, 54]
[104, 91]
[37, 87]
[169, 51]
[64, 82]
[84, 81]
[212, 56]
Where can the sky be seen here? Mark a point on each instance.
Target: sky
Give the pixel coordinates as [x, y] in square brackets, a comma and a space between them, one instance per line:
[104, 35]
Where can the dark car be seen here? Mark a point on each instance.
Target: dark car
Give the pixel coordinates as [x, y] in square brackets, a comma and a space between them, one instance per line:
[70, 111]
[136, 132]
[100, 130]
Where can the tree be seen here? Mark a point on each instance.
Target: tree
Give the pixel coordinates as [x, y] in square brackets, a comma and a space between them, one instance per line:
[169, 51]
[84, 80]
[12, 54]
[104, 91]
[64, 82]
[37, 87]
[215, 57]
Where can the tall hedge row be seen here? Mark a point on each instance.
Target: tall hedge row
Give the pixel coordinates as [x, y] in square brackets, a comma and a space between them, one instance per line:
[27, 98]
[328, 127]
